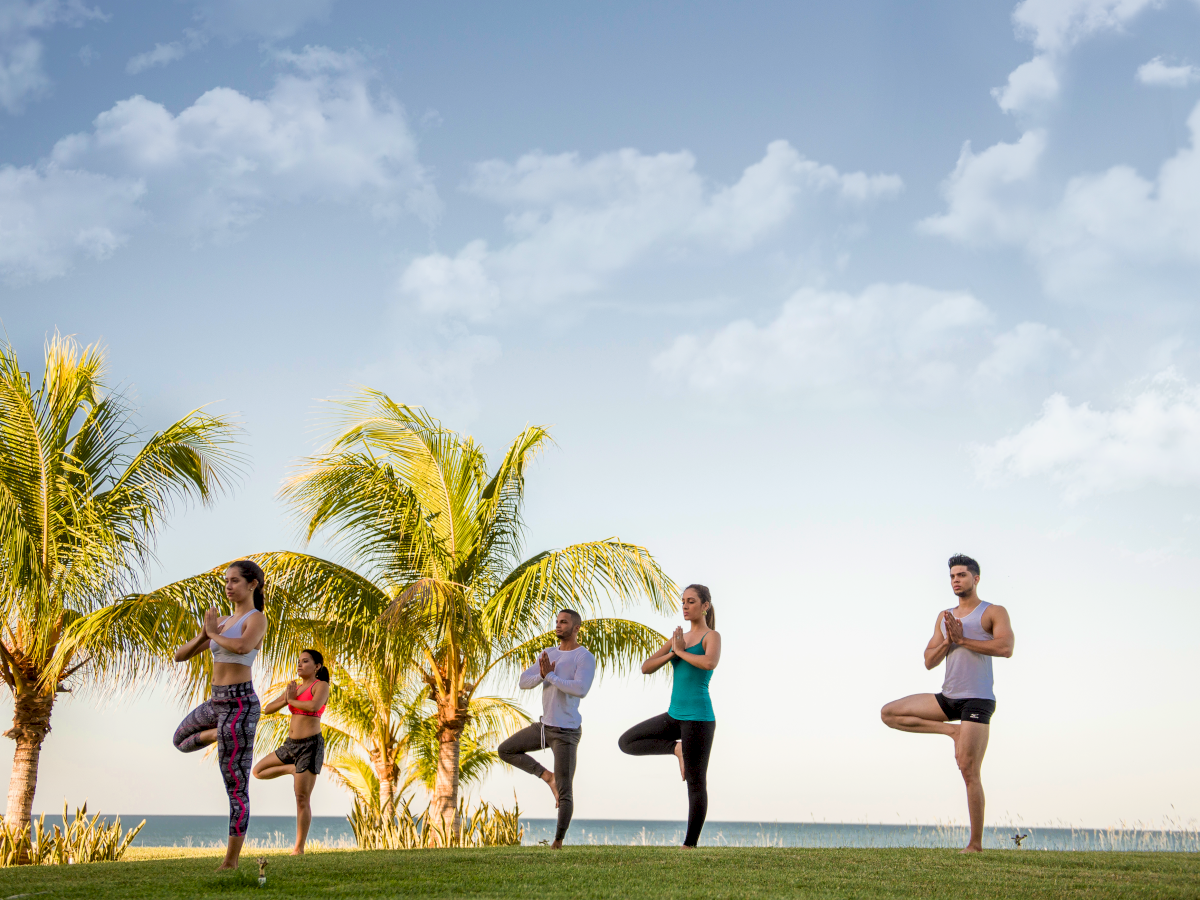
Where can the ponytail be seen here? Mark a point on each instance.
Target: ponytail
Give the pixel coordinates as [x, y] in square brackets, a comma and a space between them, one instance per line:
[705, 595]
[252, 572]
[316, 657]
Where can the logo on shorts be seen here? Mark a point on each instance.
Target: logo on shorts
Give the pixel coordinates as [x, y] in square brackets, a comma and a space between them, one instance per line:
[974, 715]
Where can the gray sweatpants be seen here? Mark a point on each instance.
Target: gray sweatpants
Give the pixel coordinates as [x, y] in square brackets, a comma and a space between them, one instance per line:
[562, 742]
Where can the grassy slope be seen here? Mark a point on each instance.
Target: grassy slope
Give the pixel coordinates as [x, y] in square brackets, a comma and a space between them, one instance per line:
[633, 872]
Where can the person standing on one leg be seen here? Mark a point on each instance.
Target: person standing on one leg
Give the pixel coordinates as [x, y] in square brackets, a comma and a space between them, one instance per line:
[966, 637]
[303, 753]
[565, 673]
[230, 718]
[687, 728]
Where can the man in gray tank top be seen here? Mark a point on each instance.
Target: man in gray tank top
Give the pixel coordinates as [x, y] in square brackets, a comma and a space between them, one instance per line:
[966, 637]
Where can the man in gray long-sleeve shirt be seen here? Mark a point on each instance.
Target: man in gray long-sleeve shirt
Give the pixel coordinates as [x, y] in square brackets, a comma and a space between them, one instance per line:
[565, 673]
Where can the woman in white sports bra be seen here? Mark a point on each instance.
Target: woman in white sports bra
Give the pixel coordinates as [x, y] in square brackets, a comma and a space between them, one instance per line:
[231, 716]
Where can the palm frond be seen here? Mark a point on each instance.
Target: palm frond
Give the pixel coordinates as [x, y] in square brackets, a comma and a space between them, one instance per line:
[581, 577]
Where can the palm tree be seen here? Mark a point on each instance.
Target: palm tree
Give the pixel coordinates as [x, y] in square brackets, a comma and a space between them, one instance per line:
[375, 736]
[82, 494]
[433, 547]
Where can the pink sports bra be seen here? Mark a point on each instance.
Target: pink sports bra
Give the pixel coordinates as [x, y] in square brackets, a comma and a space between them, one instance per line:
[306, 694]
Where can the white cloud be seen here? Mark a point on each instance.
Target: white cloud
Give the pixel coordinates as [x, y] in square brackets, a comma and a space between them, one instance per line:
[986, 194]
[453, 285]
[1054, 27]
[1029, 85]
[1158, 73]
[320, 135]
[890, 340]
[1118, 221]
[1058, 25]
[235, 20]
[22, 77]
[1105, 232]
[159, 56]
[575, 223]
[1150, 438]
[51, 217]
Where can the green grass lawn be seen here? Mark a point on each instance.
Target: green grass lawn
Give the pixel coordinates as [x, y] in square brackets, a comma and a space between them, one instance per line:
[633, 872]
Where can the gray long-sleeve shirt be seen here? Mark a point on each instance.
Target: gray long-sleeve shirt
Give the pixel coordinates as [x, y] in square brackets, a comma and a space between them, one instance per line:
[563, 688]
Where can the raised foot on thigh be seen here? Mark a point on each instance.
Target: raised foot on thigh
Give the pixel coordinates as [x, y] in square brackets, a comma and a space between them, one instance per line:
[679, 756]
[548, 777]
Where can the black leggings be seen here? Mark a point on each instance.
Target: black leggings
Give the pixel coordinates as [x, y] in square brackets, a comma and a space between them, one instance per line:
[657, 737]
[233, 711]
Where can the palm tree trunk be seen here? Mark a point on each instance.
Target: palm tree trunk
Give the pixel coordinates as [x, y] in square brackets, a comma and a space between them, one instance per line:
[31, 724]
[387, 794]
[443, 808]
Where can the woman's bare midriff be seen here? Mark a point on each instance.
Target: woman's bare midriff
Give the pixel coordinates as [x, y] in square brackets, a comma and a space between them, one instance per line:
[303, 727]
[231, 673]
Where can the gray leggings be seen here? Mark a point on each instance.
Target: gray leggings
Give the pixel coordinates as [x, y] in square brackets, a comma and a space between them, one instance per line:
[562, 742]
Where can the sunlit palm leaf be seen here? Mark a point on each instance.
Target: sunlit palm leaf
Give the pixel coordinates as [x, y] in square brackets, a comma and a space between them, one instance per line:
[590, 578]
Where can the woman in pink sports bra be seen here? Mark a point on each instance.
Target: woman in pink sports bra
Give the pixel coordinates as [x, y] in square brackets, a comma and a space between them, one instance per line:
[303, 753]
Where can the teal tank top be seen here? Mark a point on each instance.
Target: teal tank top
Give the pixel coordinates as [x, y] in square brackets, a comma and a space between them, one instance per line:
[689, 690]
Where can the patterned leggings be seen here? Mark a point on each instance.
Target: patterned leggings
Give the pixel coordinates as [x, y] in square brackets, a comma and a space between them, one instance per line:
[233, 711]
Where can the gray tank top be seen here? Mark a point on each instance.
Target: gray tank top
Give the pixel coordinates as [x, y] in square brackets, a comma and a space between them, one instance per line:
[969, 674]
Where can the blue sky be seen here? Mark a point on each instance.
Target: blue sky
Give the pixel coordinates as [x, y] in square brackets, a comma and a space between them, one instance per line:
[814, 295]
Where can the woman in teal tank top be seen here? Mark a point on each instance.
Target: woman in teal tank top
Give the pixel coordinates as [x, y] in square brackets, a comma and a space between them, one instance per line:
[686, 729]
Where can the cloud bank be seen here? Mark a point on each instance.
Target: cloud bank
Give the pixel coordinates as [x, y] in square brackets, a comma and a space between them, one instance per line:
[1104, 229]
[1152, 437]
[1054, 27]
[575, 223]
[890, 340]
[320, 134]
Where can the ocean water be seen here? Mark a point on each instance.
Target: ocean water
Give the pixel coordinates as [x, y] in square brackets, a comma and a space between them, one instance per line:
[334, 831]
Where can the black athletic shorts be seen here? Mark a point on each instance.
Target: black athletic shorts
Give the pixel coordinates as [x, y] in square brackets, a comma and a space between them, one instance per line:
[307, 753]
[969, 709]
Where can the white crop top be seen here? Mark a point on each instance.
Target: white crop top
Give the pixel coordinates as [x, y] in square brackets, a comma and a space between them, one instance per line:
[221, 655]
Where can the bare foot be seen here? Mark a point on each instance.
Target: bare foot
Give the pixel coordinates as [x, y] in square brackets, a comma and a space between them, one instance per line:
[298, 851]
[557, 845]
[226, 867]
[686, 847]
[679, 756]
[548, 777]
[953, 732]
[970, 849]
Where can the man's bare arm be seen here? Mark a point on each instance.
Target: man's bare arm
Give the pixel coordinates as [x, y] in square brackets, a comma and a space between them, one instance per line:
[938, 646]
[1002, 640]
